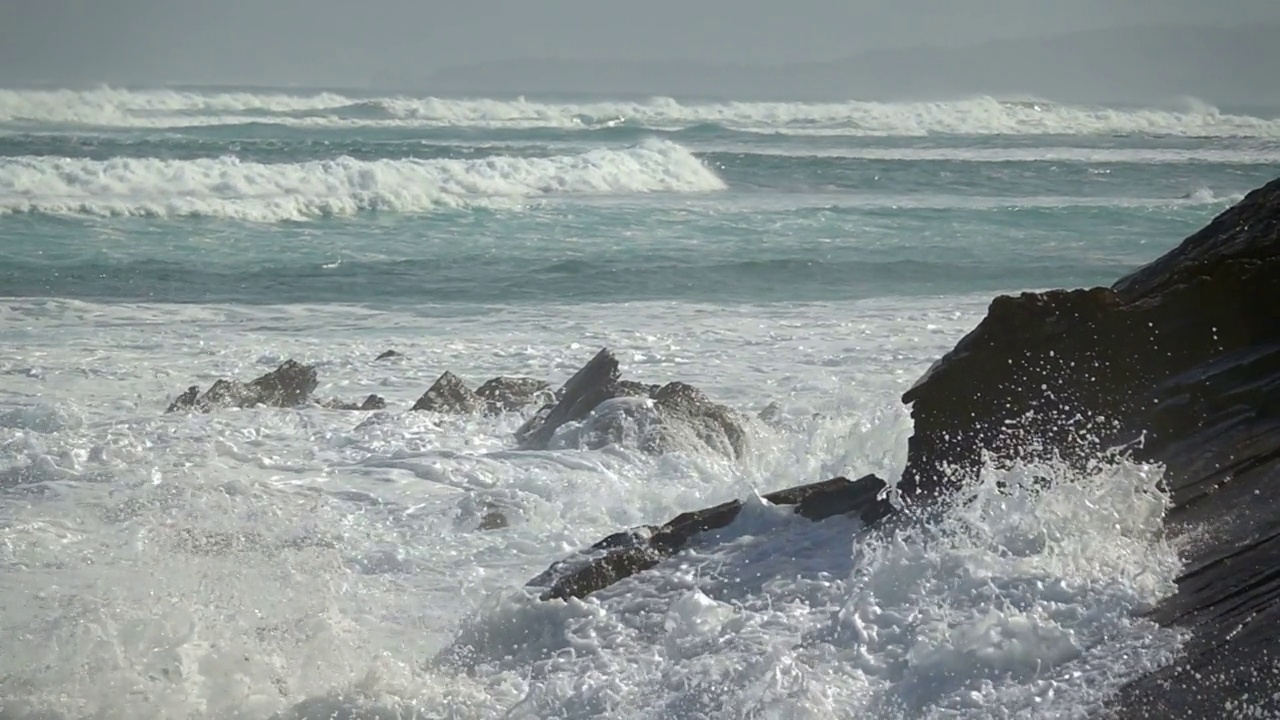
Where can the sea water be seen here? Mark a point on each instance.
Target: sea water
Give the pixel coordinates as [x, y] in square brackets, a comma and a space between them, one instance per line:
[313, 563]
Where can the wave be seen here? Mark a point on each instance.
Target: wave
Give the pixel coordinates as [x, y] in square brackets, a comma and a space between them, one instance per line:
[112, 108]
[230, 188]
[1263, 154]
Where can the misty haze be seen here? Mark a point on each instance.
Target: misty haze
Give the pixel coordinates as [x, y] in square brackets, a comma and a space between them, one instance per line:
[816, 49]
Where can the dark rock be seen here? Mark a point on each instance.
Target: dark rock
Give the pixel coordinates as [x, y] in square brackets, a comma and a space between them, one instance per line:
[508, 394]
[373, 402]
[631, 388]
[448, 394]
[1182, 359]
[771, 413]
[626, 553]
[596, 382]
[494, 520]
[186, 400]
[387, 355]
[682, 412]
[685, 410]
[289, 385]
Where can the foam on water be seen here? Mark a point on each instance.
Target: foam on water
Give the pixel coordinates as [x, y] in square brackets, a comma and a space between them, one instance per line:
[977, 116]
[311, 563]
[231, 188]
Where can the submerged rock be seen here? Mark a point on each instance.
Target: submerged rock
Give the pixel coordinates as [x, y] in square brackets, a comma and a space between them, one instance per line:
[289, 385]
[373, 402]
[626, 553]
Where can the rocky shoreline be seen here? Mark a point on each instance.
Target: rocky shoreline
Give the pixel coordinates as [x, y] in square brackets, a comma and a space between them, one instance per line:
[1177, 362]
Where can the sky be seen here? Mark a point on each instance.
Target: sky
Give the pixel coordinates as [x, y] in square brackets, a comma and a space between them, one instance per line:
[350, 42]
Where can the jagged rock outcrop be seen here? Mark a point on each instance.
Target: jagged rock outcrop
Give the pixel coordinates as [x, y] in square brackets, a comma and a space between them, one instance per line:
[1183, 358]
[626, 553]
[674, 414]
[594, 383]
[289, 385]
[508, 394]
[448, 394]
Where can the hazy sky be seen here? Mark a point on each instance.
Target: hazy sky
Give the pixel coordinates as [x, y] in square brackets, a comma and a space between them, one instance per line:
[354, 41]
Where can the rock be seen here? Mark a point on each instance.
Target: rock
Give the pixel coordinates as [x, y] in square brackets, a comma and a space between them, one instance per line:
[1182, 359]
[626, 553]
[683, 413]
[449, 395]
[187, 400]
[494, 520]
[373, 402]
[502, 394]
[289, 385]
[596, 382]
[771, 413]
[387, 355]
[508, 394]
[686, 412]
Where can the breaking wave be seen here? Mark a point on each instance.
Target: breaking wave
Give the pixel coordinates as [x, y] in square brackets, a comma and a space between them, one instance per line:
[978, 116]
[231, 188]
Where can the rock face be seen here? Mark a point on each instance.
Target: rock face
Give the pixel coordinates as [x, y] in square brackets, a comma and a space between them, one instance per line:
[679, 412]
[289, 385]
[626, 553]
[1184, 355]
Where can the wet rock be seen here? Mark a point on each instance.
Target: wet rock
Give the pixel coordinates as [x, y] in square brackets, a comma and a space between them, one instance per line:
[626, 553]
[508, 394]
[1180, 359]
[449, 395]
[289, 385]
[686, 412]
[187, 400]
[771, 413]
[494, 520]
[594, 383]
[373, 402]
[682, 413]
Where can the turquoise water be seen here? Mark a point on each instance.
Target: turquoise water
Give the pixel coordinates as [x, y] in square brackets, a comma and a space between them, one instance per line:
[257, 198]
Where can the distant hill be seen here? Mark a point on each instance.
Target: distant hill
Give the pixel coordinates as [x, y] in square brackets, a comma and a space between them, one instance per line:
[1236, 66]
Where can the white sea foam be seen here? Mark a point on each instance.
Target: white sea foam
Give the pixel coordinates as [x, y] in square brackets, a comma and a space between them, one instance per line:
[1260, 153]
[231, 188]
[325, 564]
[977, 116]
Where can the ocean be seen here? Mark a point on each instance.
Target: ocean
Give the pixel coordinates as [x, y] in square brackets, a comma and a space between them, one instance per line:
[315, 563]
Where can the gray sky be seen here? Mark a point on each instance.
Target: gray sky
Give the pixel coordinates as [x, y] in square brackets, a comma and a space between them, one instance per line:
[353, 41]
